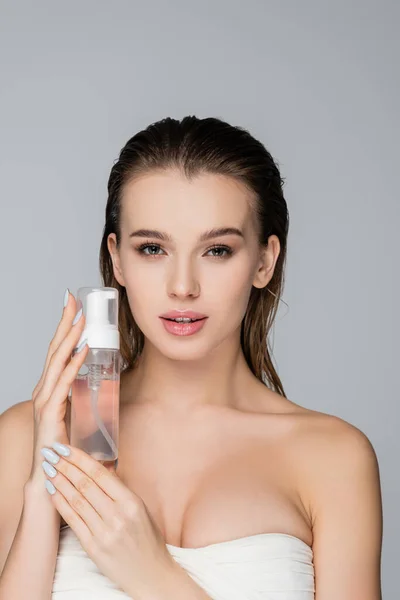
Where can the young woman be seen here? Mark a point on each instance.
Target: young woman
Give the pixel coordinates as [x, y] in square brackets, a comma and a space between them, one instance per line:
[225, 488]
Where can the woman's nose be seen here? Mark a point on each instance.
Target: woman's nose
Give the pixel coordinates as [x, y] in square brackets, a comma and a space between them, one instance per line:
[183, 282]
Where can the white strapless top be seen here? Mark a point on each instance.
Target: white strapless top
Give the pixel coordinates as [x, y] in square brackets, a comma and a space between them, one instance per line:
[265, 566]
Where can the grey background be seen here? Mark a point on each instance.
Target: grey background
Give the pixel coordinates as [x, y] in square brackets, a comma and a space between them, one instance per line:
[316, 81]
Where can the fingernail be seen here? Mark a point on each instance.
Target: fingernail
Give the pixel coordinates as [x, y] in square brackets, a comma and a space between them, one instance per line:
[77, 317]
[61, 449]
[66, 297]
[50, 455]
[51, 471]
[50, 487]
[81, 345]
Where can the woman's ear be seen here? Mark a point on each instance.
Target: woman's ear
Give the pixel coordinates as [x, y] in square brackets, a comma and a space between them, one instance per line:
[268, 256]
[116, 261]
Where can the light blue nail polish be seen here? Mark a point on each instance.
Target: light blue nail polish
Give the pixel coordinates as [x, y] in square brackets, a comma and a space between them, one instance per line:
[51, 471]
[81, 345]
[77, 316]
[50, 455]
[61, 449]
[66, 297]
[50, 487]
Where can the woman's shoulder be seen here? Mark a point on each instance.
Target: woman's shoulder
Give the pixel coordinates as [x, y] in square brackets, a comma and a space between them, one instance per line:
[328, 452]
[318, 441]
[17, 421]
[315, 426]
[327, 434]
[325, 431]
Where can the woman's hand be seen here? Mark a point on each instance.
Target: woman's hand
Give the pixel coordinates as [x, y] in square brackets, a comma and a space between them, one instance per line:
[110, 521]
[50, 396]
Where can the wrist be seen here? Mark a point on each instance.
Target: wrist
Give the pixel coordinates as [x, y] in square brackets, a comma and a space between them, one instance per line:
[36, 494]
[35, 486]
[37, 505]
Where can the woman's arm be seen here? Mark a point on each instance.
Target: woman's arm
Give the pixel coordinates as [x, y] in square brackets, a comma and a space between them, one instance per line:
[31, 561]
[29, 524]
[346, 506]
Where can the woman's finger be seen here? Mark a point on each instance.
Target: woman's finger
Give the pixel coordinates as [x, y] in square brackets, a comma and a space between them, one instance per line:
[84, 485]
[62, 385]
[63, 327]
[58, 361]
[70, 508]
[110, 484]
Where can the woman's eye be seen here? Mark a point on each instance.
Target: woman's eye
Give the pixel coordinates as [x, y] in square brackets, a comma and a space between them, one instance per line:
[142, 248]
[225, 249]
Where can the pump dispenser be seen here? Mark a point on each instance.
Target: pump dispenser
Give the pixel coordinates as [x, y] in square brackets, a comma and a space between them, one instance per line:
[95, 391]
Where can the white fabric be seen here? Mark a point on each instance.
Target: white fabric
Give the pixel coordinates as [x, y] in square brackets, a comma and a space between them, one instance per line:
[265, 566]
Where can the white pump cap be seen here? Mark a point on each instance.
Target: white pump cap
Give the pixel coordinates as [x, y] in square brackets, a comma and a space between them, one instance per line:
[100, 308]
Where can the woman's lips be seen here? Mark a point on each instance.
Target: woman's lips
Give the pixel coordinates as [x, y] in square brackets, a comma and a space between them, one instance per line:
[183, 329]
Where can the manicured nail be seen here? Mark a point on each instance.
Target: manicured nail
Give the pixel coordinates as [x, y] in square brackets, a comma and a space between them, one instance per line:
[77, 317]
[81, 345]
[66, 297]
[50, 487]
[49, 455]
[51, 471]
[61, 449]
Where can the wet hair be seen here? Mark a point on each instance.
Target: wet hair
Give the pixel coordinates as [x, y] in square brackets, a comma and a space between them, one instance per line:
[195, 146]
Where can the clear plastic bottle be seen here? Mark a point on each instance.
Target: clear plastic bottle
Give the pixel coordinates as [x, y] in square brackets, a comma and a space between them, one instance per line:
[95, 390]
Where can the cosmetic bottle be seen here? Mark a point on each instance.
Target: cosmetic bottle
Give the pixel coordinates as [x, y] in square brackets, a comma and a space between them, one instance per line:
[95, 391]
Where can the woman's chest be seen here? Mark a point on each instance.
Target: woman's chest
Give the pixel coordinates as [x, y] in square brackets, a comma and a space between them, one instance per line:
[204, 488]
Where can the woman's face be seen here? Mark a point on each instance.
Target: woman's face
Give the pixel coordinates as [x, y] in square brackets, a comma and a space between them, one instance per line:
[213, 277]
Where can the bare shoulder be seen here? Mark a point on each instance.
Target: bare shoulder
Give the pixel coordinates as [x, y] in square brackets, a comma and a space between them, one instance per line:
[323, 439]
[16, 442]
[20, 407]
[331, 455]
[325, 449]
[338, 470]
[16, 436]
[318, 432]
[20, 414]
[328, 437]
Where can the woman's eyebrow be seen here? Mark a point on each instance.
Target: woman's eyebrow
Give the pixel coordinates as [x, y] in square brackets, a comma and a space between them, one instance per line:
[211, 233]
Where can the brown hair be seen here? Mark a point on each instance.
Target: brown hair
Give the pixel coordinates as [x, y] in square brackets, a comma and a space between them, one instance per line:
[195, 146]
